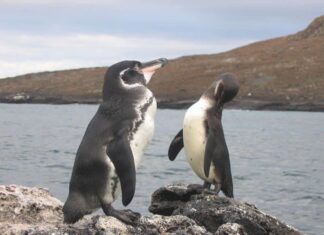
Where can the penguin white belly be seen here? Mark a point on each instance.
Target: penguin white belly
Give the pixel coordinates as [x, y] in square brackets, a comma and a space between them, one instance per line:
[139, 141]
[195, 138]
[113, 189]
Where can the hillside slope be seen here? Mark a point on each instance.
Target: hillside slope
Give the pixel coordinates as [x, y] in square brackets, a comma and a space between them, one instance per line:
[281, 73]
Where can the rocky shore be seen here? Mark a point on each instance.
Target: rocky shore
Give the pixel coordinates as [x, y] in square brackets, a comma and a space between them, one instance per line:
[252, 104]
[238, 103]
[177, 209]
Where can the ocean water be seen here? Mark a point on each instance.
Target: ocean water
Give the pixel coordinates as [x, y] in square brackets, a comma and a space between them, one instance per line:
[277, 157]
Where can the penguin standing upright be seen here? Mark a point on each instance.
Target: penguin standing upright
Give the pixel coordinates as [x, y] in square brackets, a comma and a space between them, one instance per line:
[113, 143]
[203, 138]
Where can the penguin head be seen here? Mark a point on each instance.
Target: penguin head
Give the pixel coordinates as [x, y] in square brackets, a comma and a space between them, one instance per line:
[223, 89]
[131, 74]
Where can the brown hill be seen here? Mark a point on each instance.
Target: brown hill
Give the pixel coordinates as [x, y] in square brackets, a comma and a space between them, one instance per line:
[281, 73]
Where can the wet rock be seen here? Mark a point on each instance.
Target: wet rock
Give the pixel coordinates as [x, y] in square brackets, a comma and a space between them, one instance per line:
[217, 214]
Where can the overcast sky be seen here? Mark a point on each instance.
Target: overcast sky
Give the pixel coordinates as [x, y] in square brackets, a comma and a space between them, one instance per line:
[47, 35]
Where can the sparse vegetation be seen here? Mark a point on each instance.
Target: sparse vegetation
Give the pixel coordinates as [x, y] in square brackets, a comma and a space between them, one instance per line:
[281, 73]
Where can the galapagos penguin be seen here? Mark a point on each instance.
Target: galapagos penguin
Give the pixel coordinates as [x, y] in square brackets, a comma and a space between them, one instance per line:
[113, 143]
[203, 138]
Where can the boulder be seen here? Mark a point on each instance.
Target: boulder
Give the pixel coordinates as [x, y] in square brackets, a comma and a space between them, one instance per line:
[25, 210]
[219, 215]
[179, 209]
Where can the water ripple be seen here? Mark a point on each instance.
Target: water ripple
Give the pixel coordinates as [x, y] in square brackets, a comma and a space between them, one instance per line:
[59, 166]
[294, 173]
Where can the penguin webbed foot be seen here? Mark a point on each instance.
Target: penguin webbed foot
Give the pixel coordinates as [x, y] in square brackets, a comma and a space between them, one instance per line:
[126, 216]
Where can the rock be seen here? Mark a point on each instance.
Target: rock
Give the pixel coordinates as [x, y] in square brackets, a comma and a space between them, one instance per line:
[29, 205]
[230, 228]
[177, 224]
[217, 214]
[184, 209]
[25, 210]
[18, 98]
[167, 199]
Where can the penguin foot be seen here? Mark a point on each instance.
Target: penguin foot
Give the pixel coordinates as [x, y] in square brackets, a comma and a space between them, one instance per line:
[126, 216]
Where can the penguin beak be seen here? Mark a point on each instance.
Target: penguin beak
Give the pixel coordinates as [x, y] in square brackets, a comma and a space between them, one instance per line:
[149, 68]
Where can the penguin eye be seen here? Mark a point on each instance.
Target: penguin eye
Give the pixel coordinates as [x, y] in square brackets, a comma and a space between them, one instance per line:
[131, 76]
[131, 72]
[128, 73]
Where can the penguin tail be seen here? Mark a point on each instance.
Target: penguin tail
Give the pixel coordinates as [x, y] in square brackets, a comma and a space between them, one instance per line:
[227, 187]
[72, 211]
[228, 191]
[71, 215]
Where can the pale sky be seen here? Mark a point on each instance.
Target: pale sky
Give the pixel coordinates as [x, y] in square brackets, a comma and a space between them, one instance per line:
[47, 35]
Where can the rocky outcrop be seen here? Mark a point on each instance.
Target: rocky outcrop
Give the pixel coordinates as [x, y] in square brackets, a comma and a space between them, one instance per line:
[182, 209]
[314, 29]
[219, 215]
[26, 210]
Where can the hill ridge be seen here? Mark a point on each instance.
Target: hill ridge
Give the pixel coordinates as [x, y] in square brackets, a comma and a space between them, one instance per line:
[280, 73]
[314, 29]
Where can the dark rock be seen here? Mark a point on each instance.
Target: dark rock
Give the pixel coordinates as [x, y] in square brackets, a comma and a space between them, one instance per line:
[213, 212]
[166, 199]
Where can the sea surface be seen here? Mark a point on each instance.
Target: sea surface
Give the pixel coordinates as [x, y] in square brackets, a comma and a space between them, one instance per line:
[277, 157]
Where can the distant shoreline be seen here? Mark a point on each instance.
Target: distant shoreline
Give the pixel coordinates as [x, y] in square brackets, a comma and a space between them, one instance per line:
[244, 104]
[283, 73]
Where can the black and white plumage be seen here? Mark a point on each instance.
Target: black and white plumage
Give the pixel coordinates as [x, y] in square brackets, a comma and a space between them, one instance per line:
[113, 144]
[203, 138]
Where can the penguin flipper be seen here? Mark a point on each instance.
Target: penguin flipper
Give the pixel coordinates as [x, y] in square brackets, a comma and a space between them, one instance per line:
[223, 165]
[176, 145]
[217, 152]
[209, 152]
[120, 153]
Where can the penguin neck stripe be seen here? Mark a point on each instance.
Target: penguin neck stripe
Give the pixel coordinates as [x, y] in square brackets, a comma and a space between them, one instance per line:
[142, 108]
[123, 72]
